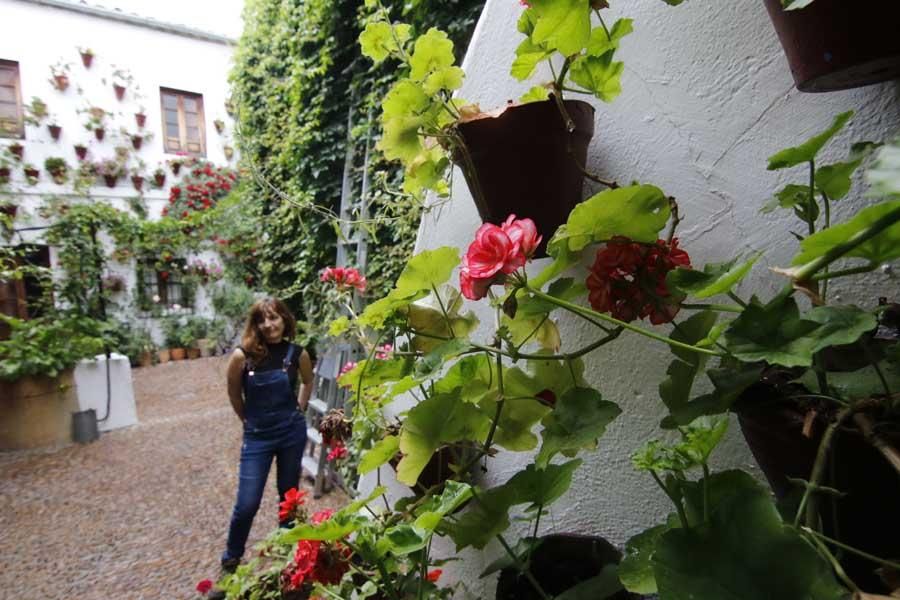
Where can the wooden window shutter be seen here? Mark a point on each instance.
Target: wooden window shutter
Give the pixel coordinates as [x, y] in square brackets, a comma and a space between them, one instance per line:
[12, 123]
[183, 124]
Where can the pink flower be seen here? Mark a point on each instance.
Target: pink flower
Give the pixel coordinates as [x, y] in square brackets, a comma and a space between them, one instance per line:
[321, 516]
[204, 586]
[338, 451]
[523, 233]
[384, 352]
[493, 252]
[348, 366]
[344, 278]
[474, 288]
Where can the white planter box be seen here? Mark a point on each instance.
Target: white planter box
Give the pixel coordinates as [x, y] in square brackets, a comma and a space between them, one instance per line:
[90, 382]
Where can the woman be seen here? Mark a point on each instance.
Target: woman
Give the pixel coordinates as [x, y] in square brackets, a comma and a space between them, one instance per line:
[262, 386]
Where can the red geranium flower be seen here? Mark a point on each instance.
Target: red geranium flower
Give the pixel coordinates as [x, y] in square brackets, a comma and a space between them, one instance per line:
[204, 586]
[628, 280]
[344, 278]
[321, 516]
[433, 575]
[338, 451]
[293, 499]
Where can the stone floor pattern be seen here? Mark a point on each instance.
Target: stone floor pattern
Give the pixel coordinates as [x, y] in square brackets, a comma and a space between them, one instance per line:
[140, 514]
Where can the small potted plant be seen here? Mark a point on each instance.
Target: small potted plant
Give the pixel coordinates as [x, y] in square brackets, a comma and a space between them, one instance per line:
[171, 328]
[229, 107]
[159, 177]
[60, 76]
[85, 176]
[140, 117]
[175, 164]
[31, 173]
[17, 150]
[122, 79]
[87, 57]
[229, 152]
[57, 168]
[111, 170]
[114, 283]
[137, 177]
[36, 111]
[81, 151]
[4, 170]
[55, 128]
[220, 125]
[96, 121]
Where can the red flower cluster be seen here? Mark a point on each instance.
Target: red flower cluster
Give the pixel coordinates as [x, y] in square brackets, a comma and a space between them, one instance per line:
[495, 253]
[315, 561]
[204, 586]
[338, 451]
[344, 278]
[292, 506]
[200, 189]
[434, 575]
[628, 280]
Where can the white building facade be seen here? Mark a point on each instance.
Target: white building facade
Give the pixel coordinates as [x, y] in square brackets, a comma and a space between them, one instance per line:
[175, 80]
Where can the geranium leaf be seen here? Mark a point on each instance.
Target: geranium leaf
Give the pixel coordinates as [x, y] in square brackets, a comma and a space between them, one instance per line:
[604, 585]
[599, 74]
[715, 278]
[518, 417]
[454, 495]
[377, 41]
[538, 93]
[562, 25]
[675, 390]
[728, 384]
[579, 418]
[636, 568]
[600, 43]
[808, 150]
[879, 249]
[776, 332]
[432, 52]
[384, 450]
[790, 196]
[438, 420]
[637, 212]
[471, 378]
[528, 55]
[427, 270]
[835, 179]
[861, 383]
[431, 363]
[401, 540]
[377, 372]
[338, 526]
[884, 176]
[740, 554]
[447, 79]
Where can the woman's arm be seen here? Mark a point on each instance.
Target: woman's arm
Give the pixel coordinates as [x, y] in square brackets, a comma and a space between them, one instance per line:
[235, 392]
[306, 380]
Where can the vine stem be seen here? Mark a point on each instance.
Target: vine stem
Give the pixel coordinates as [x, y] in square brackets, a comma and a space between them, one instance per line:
[682, 516]
[526, 572]
[838, 569]
[807, 502]
[640, 330]
[852, 550]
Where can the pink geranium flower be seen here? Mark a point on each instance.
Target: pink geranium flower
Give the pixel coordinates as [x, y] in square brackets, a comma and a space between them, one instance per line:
[524, 233]
[344, 278]
[495, 253]
[321, 516]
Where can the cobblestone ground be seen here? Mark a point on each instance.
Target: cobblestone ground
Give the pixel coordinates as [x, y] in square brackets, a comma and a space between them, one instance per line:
[140, 514]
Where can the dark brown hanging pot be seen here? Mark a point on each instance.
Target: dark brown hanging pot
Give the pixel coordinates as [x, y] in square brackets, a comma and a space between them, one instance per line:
[867, 517]
[561, 561]
[839, 44]
[525, 162]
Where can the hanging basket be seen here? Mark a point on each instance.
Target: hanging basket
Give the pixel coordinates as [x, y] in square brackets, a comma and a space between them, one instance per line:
[838, 44]
[525, 163]
[55, 131]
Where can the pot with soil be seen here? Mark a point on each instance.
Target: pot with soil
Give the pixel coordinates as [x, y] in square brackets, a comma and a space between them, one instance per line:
[558, 563]
[136, 141]
[527, 163]
[785, 432]
[31, 173]
[111, 180]
[145, 359]
[837, 45]
[55, 131]
[87, 58]
[159, 179]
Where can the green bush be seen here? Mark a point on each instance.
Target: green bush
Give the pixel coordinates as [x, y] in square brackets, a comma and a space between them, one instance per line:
[48, 345]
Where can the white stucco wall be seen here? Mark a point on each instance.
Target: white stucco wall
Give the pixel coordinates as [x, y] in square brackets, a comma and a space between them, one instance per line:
[38, 37]
[707, 97]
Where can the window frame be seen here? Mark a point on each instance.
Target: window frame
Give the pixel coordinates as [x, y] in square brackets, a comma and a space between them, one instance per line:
[180, 95]
[152, 283]
[19, 133]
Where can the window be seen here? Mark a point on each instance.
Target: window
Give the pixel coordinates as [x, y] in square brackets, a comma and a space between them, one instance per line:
[168, 285]
[25, 298]
[11, 122]
[183, 125]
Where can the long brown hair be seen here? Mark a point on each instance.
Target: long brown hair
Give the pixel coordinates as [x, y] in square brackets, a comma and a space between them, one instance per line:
[253, 341]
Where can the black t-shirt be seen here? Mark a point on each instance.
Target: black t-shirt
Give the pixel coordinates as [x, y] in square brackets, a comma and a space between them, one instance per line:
[275, 360]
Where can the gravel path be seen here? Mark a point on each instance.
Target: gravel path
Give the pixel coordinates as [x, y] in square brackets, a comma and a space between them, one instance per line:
[142, 513]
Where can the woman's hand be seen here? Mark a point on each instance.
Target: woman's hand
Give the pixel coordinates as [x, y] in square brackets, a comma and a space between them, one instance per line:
[306, 379]
[233, 375]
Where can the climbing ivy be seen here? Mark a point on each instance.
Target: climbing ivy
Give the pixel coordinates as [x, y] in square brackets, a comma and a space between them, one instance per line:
[298, 71]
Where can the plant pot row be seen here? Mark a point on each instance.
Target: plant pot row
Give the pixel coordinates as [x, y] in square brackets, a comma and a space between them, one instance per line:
[203, 349]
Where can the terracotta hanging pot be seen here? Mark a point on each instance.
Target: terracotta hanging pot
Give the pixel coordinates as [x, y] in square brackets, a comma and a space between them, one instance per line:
[525, 162]
[55, 131]
[137, 181]
[87, 59]
[140, 119]
[81, 152]
[61, 82]
[866, 516]
[4, 175]
[120, 91]
[136, 141]
[32, 173]
[18, 150]
[159, 179]
[99, 133]
[110, 180]
[837, 44]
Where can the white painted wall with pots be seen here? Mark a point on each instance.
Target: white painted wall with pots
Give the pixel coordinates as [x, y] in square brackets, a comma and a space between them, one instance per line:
[38, 37]
[707, 97]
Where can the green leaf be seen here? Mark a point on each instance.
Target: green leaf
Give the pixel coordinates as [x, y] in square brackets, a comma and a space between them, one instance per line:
[600, 44]
[579, 418]
[401, 540]
[599, 74]
[835, 180]
[637, 212]
[427, 318]
[636, 569]
[728, 383]
[377, 41]
[528, 55]
[533, 328]
[447, 80]
[431, 363]
[884, 176]
[808, 150]
[518, 417]
[454, 495]
[601, 586]
[377, 313]
[881, 248]
[338, 526]
[795, 4]
[471, 378]
[776, 332]
[675, 390]
[563, 25]
[338, 326]
[565, 288]
[490, 515]
[538, 93]
[436, 421]
[427, 270]
[432, 52]
[384, 450]
[861, 383]
[377, 372]
[714, 279]
[523, 547]
[790, 196]
[741, 554]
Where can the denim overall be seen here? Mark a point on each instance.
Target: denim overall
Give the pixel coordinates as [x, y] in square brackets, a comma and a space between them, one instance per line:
[273, 427]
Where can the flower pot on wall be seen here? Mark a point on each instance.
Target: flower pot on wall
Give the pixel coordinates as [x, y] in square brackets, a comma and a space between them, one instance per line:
[560, 562]
[55, 131]
[773, 427]
[31, 173]
[836, 45]
[81, 151]
[4, 175]
[120, 91]
[61, 82]
[111, 180]
[137, 181]
[137, 141]
[87, 59]
[140, 119]
[99, 133]
[525, 162]
[18, 150]
[159, 179]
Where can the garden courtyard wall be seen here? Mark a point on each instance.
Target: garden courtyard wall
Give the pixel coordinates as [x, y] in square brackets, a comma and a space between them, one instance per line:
[707, 97]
